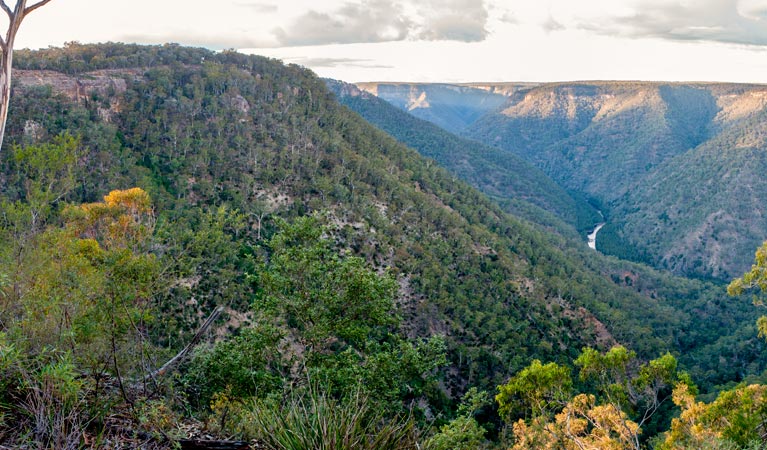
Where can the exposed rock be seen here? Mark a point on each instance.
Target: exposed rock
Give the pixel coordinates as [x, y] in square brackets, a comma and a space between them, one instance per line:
[239, 103]
[81, 88]
[33, 130]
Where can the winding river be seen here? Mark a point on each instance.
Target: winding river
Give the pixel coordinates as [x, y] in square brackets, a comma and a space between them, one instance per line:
[593, 235]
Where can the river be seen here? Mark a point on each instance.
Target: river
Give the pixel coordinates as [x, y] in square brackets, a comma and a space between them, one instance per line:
[593, 235]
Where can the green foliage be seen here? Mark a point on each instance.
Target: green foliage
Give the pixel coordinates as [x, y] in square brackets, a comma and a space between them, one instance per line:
[342, 314]
[46, 174]
[228, 147]
[755, 278]
[55, 403]
[247, 365]
[734, 420]
[73, 312]
[638, 389]
[269, 141]
[463, 432]
[316, 421]
[618, 403]
[326, 298]
[538, 389]
[204, 251]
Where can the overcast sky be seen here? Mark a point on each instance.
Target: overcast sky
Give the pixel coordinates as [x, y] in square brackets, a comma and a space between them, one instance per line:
[442, 40]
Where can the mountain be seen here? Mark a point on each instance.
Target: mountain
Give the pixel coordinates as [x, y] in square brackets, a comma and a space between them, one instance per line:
[201, 131]
[450, 106]
[649, 151]
[517, 185]
[673, 166]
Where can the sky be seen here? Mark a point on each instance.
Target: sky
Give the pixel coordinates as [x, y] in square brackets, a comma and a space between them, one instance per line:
[441, 40]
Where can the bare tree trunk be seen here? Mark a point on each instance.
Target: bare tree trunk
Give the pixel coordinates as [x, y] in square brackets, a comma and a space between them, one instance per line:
[6, 45]
[185, 351]
[15, 17]
[5, 89]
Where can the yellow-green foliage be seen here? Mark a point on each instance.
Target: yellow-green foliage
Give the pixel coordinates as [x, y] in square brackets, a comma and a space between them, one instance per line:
[736, 419]
[754, 278]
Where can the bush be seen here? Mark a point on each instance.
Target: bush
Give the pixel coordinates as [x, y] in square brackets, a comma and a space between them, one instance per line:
[315, 421]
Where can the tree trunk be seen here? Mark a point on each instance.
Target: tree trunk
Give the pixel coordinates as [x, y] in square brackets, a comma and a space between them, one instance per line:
[15, 17]
[7, 66]
[185, 351]
[5, 89]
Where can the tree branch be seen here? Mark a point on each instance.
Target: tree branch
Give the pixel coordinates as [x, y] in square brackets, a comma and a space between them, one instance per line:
[7, 9]
[29, 9]
[182, 354]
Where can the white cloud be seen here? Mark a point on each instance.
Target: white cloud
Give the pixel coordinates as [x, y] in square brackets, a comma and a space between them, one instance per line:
[551, 25]
[365, 21]
[388, 20]
[453, 20]
[728, 21]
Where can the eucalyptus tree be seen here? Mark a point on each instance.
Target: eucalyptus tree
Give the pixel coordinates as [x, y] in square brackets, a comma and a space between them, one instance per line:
[16, 14]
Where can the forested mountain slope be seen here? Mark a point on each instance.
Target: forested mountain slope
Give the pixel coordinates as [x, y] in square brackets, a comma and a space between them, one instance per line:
[199, 130]
[647, 152]
[650, 150]
[505, 177]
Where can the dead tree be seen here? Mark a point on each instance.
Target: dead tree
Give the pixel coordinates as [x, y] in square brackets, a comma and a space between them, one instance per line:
[16, 15]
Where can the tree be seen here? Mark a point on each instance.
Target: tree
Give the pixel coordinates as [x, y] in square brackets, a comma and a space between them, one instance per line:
[329, 299]
[756, 277]
[626, 395]
[736, 419]
[15, 16]
[540, 389]
[463, 432]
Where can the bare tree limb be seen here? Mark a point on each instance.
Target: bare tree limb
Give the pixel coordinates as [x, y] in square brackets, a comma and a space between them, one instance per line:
[29, 9]
[15, 17]
[185, 351]
[7, 9]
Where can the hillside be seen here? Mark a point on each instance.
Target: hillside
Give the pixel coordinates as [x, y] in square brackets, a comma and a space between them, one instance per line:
[641, 150]
[240, 155]
[520, 187]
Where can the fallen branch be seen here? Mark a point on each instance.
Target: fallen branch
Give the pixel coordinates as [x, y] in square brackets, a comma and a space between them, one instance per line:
[185, 351]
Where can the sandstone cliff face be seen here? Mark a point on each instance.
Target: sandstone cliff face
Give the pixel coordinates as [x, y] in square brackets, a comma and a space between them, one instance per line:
[450, 106]
[81, 88]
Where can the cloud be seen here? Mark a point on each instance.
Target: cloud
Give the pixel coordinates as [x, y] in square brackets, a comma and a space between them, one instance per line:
[551, 25]
[453, 20]
[728, 21]
[337, 62]
[261, 8]
[509, 18]
[365, 21]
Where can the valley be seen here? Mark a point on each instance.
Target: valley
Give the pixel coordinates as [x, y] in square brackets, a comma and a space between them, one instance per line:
[674, 165]
[362, 266]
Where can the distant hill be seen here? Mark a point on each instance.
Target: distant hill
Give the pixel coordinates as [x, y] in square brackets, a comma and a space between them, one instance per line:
[674, 166]
[505, 177]
[452, 107]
